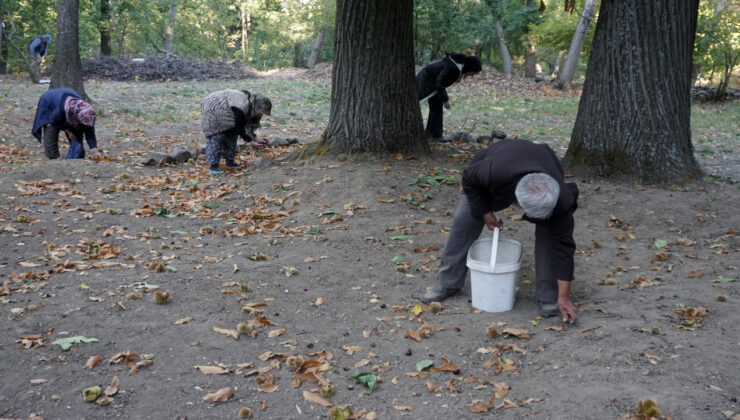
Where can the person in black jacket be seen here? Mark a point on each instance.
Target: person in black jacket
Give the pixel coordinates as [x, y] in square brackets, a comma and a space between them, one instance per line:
[432, 82]
[515, 169]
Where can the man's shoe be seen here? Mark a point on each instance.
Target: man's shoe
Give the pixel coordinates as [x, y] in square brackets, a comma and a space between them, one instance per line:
[438, 294]
[216, 172]
[549, 309]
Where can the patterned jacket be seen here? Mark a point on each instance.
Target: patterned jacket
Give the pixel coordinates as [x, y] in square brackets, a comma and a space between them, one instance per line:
[217, 113]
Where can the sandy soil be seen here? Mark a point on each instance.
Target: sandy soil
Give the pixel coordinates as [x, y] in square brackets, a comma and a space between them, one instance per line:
[333, 257]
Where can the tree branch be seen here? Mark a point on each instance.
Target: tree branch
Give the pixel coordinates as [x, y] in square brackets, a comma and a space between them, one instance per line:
[33, 73]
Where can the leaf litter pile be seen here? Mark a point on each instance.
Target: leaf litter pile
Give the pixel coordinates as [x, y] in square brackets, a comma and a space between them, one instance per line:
[292, 290]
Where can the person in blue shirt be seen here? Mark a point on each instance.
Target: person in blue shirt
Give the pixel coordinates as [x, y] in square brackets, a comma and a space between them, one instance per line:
[37, 47]
[64, 110]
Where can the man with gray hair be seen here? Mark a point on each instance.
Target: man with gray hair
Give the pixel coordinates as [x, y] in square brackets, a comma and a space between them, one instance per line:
[515, 169]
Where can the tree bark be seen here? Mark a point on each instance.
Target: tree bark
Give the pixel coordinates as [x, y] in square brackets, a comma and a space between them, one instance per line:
[67, 70]
[374, 105]
[245, 17]
[33, 68]
[505, 56]
[633, 118]
[104, 25]
[314, 57]
[3, 49]
[565, 75]
[170, 34]
[530, 61]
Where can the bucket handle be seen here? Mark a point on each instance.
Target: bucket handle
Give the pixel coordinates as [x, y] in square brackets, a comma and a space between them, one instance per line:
[494, 247]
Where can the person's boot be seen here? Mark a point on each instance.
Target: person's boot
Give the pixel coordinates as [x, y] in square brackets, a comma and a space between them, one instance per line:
[438, 294]
[215, 170]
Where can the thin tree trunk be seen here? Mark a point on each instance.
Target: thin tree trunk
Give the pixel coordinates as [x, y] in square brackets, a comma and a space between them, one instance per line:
[3, 49]
[374, 105]
[33, 69]
[67, 70]
[245, 16]
[170, 34]
[634, 114]
[530, 61]
[104, 25]
[314, 57]
[505, 56]
[556, 68]
[565, 75]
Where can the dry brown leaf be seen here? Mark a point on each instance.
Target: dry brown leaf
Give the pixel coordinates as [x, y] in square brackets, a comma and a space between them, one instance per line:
[559, 329]
[92, 362]
[211, 370]
[362, 363]
[695, 274]
[431, 387]
[403, 408]
[319, 301]
[183, 320]
[311, 259]
[223, 394]
[232, 333]
[316, 399]
[386, 200]
[277, 333]
[517, 332]
[352, 349]
[413, 335]
[112, 389]
[478, 406]
[585, 330]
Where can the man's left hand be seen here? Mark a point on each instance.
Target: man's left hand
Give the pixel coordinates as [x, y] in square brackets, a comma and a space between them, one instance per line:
[96, 154]
[567, 309]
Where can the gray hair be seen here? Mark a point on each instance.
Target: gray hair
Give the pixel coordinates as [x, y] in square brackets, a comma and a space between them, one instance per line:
[261, 104]
[537, 194]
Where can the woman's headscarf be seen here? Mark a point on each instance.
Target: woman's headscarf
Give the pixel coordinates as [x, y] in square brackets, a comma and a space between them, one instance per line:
[79, 112]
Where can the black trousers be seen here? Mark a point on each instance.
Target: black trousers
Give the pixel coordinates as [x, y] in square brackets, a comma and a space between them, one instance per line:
[434, 122]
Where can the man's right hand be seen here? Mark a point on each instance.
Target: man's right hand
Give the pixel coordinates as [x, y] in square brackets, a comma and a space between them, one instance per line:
[492, 222]
[259, 142]
[447, 105]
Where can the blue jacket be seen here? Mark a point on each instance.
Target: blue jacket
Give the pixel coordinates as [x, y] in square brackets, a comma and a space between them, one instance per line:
[50, 110]
[37, 46]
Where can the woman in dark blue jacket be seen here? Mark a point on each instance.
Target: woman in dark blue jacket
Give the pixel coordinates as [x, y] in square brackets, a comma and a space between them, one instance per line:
[63, 109]
[433, 80]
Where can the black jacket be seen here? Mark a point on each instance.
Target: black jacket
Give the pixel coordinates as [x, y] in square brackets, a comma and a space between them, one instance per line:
[490, 180]
[439, 75]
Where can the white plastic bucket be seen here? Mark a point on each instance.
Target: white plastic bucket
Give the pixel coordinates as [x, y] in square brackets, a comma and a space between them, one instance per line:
[493, 286]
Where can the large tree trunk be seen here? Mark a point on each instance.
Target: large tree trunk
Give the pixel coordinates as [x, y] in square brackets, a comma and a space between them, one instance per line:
[245, 17]
[67, 70]
[505, 56]
[104, 25]
[565, 75]
[170, 34]
[633, 118]
[374, 105]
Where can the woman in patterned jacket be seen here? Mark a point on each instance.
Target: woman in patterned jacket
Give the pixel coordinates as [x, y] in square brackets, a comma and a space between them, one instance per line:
[227, 114]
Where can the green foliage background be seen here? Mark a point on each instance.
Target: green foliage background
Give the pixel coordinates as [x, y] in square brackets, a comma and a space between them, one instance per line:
[282, 32]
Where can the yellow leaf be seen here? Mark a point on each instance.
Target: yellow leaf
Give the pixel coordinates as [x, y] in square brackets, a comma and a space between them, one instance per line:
[417, 310]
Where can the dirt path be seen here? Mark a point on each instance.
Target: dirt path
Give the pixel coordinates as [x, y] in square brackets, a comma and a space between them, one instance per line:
[332, 256]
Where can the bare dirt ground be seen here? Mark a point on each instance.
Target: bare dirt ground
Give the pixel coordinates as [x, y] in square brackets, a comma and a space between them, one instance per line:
[326, 260]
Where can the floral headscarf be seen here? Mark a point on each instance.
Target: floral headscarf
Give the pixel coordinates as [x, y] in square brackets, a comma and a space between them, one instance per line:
[79, 112]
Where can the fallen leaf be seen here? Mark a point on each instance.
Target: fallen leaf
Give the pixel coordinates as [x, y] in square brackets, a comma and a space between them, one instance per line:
[403, 408]
[695, 274]
[352, 349]
[211, 370]
[517, 332]
[316, 399]
[277, 333]
[183, 321]
[417, 310]
[585, 330]
[38, 381]
[413, 335]
[319, 301]
[223, 394]
[92, 362]
[232, 333]
[112, 389]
